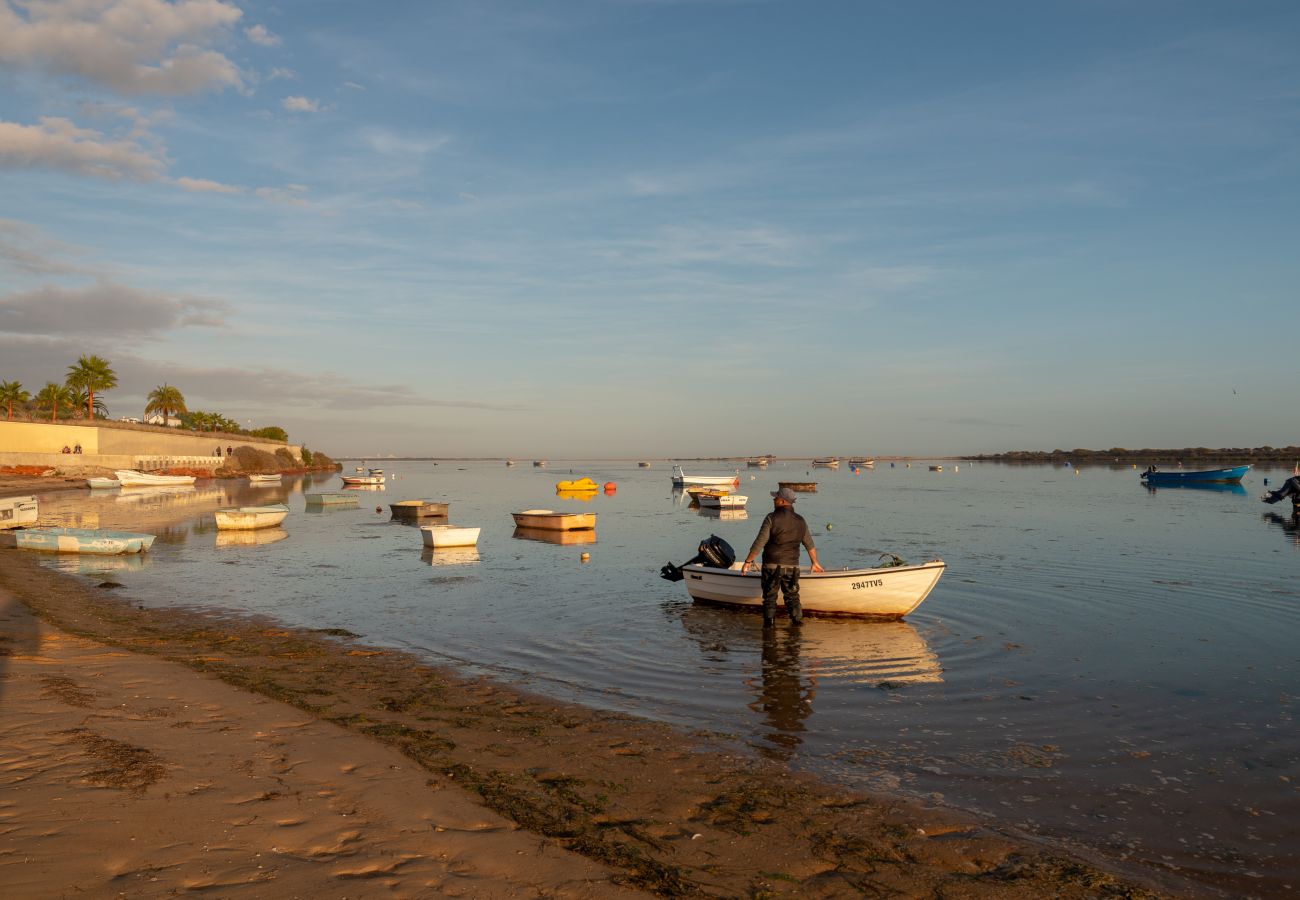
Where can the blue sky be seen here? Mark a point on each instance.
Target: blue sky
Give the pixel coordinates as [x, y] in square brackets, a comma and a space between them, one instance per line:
[651, 228]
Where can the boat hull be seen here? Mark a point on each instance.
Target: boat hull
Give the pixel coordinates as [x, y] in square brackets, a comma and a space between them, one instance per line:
[263, 479]
[439, 536]
[102, 484]
[328, 499]
[862, 593]
[549, 520]
[132, 478]
[18, 512]
[1206, 476]
[408, 510]
[723, 501]
[362, 480]
[681, 479]
[250, 518]
[77, 540]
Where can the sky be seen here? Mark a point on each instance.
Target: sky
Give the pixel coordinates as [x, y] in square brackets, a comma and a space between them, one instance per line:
[653, 228]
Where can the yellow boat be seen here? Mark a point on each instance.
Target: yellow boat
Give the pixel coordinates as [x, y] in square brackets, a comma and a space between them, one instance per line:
[582, 484]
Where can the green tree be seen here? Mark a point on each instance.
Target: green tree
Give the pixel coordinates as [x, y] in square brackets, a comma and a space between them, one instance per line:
[90, 374]
[12, 392]
[165, 400]
[96, 405]
[274, 432]
[50, 396]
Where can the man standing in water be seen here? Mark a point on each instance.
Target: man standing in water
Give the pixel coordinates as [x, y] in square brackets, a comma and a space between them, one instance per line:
[782, 532]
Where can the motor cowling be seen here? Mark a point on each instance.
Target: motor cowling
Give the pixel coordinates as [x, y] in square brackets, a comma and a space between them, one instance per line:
[714, 552]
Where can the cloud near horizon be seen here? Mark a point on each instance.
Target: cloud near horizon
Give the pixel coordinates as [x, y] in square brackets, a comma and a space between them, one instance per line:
[104, 308]
[131, 46]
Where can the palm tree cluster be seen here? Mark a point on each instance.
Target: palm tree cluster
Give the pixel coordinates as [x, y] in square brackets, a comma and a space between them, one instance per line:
[209, 421]
[90, 376]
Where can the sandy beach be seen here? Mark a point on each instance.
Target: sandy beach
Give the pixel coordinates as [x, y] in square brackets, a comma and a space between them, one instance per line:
[187, 750]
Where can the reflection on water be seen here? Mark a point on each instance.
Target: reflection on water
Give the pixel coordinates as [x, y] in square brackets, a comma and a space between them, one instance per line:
[1289, 524]
[253, 538]
[734, 515]
[580, 496]
[450, 556]
[363, 487]
[1217, 487]
[546, 535]
[785, 692]
[97, 566]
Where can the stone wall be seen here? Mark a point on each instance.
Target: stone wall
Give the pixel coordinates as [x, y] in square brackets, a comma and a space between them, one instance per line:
[126, 447]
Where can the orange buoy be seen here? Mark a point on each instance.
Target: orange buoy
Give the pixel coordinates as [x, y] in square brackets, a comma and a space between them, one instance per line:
[610, 487]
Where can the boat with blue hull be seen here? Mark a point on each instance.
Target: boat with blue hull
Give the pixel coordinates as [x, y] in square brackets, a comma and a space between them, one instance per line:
[77, 540]
[1231, 475]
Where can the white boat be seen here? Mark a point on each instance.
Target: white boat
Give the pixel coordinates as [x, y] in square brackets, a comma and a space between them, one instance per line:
[888, 593]
[132, 478]
[264, 479]
[102, 484]
[17, 512]
[438, 536]
[863, 462]
[77, 540]
[362, 479]
[248, 518]
[826, 462]
[722, 501]
[681, 479]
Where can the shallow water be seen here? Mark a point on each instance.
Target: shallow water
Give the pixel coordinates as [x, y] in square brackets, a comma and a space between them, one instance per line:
[1103, 665]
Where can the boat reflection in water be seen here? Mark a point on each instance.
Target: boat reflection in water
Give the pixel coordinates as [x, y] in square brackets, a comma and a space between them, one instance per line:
[706, 512]
[363, 487]
[450, 556]
[97, 566]
[581, 496]
[794, 662]
[581, 536]
[1218, 487]
[253, 538]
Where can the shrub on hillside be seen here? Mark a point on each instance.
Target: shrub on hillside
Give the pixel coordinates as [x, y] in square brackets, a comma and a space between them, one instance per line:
[250, 459]
[285, 457]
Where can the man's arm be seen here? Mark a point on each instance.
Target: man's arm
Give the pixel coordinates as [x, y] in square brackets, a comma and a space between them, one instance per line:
[759, 543]
[812, 551]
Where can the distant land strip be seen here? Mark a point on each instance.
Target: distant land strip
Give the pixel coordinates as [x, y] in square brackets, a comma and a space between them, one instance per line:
[1122, 454]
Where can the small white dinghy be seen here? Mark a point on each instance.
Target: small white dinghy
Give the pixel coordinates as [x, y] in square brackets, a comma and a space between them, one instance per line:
[722, 501]
[102, 484]
[681, 479]
[439, 536]
[264, 479]
[132, 478]
[248, 518]
[885, 593]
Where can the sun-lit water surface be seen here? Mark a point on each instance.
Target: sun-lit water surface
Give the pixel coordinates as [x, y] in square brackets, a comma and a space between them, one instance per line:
[1101, 664]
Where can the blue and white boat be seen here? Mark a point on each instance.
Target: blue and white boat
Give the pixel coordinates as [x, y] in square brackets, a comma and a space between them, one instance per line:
[77, 540]
[1231, 475]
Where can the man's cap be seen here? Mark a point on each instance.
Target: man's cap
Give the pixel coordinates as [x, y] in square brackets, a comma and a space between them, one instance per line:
[785, 494]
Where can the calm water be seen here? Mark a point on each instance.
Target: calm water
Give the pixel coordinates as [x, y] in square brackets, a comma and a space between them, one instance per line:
[1103, 665]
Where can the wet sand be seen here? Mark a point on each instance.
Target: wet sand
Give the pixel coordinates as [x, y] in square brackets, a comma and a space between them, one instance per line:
[188, 750]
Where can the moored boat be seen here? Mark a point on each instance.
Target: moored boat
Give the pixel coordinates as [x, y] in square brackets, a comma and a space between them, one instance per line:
[539, 463]
[723, 501]
[132, 478]
[250, 518]
[438, 536]
[1203, 476]
[264, 479]
[887, 593]
[757, 462]
[826, 462]
[550, 520]
[863, 462]
[936, 468]
[102, 484]
[17, 512]
[76, 540]
[362, 480]
[681, 479]
[418, 509]
[578, 486]
[803, 487]
[643, 465]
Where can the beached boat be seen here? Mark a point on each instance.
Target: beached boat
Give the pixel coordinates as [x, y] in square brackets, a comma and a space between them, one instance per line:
[438, 536]
[723, 501]
[250, 518]
[18, 512]
[362, 480]
[132, 478]
[888, 593]
[417, 509]
[1203, 476]
[803, 487]
[102, 484]
[76, 540]
[582, 484]
[680, 478]
[826, 462]
[547, 536]
[250, 538]
[264, 479]
[550, 520]
[331, 499]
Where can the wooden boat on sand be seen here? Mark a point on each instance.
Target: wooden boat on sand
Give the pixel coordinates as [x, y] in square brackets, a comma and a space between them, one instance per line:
[438, 536]
[250, 518]
[886, 593]
[132, 478]
[76, 540]
[408, 510]
[18, 512]
[550, 520]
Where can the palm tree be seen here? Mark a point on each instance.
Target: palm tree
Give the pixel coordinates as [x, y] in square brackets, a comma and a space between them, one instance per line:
[91, 373]
[96, 405]
[50, 396]
[165, 399]
[12, 392]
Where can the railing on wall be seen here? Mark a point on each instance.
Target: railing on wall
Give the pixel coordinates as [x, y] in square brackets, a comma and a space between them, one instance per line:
[155, 463]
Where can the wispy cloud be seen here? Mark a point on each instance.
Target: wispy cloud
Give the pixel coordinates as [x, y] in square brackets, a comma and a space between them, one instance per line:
[105, 308]
[131, 46]
[258, 34]
[300, 104]
[204, 185]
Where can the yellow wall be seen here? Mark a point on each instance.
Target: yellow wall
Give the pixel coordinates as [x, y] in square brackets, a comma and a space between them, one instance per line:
[34, 437]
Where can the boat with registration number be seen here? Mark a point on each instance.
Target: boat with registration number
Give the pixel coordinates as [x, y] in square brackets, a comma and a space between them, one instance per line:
[132, 478]
[249, 518]
[18, 512]
[1229, 475]
[550, 520]
[681, 479]
[76, 540]
[885, 593]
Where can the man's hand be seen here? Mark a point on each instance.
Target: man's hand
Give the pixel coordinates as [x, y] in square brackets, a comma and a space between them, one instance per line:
[817, 567]
[744, 567]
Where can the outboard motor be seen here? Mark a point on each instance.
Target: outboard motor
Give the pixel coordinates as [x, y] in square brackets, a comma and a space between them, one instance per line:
[714, 553]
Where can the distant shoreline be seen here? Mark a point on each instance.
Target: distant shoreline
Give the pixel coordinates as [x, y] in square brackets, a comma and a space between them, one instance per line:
[1186, 454]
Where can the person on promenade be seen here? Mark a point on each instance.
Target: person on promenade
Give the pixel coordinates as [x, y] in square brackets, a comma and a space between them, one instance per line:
[779, 538]
[1290, 488]
[76, 449]
[230, 451]
[218, 453]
